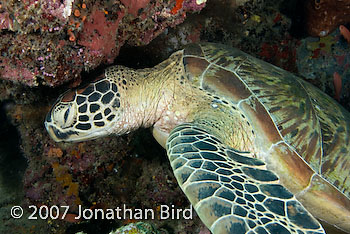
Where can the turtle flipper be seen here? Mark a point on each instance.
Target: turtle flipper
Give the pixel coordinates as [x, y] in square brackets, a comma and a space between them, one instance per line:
[233, 193]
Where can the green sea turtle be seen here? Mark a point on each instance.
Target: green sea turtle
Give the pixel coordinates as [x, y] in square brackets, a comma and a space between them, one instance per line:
[254, 148]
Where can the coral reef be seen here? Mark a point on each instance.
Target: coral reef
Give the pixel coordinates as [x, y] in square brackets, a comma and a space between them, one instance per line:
[323, 16]
[321, 60]
[51, 42]
[140, 227]
[131, 170]
[134, 228]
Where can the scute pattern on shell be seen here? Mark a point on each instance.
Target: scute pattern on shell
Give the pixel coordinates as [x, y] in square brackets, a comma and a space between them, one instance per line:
[304, 117]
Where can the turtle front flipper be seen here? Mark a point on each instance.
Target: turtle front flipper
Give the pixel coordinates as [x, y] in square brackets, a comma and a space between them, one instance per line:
[233, 193]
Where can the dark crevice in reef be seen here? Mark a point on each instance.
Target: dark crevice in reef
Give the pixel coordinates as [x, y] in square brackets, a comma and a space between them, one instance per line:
[12, 161]
[292, 9]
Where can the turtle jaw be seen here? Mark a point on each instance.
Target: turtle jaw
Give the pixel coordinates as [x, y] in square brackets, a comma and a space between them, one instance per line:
[63, 125]
[71, 135]
[56, 134]
[55, 125]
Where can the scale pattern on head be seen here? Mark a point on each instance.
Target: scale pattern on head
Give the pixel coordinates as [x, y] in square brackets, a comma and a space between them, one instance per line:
[86, 113]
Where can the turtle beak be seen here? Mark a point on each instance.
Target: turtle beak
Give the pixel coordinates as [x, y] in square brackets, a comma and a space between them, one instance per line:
[58, 135]
[49, 128]
[48, 118]
[52, 132]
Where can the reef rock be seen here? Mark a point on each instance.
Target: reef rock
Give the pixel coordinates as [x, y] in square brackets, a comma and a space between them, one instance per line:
[50, 42]
[323, 16]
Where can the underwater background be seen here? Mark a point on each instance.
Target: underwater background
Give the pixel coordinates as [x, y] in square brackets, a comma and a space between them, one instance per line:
[50, 46]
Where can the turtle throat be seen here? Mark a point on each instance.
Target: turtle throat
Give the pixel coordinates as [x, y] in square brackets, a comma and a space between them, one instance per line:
[160, 98]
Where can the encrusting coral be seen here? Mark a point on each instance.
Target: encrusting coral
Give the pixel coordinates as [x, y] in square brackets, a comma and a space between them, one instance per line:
[323, 16]
[50, 42]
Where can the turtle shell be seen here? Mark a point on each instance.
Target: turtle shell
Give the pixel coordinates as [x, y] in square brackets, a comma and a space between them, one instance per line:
[302, 133]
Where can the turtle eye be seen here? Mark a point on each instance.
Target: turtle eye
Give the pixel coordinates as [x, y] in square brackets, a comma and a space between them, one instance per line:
[317, 3]
[64, 115]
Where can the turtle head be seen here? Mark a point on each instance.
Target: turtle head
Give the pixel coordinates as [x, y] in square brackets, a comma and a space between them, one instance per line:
[86, 113]
[117, 102]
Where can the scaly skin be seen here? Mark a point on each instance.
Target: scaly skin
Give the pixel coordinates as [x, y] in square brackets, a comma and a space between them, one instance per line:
[145, 101]
[222, 100]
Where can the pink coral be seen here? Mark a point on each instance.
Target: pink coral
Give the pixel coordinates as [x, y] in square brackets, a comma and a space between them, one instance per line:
[135, 5]
[99, 35]
[16, 71]
[191, 5]
[60, 39]
[59, 10]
